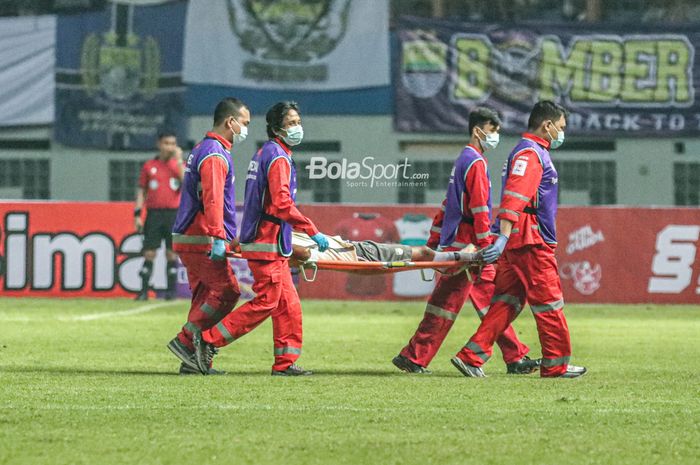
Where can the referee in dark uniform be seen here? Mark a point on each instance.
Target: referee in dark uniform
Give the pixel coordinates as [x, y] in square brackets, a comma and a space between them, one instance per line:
[159, 192]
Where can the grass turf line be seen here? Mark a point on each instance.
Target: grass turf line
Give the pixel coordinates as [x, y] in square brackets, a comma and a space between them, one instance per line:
[104, 391]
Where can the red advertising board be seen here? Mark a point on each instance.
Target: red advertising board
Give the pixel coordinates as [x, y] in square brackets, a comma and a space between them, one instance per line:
[69, 249]
[629, 255]
[605, 254]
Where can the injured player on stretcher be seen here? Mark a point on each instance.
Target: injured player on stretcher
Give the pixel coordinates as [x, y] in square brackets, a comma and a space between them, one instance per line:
[305, 250]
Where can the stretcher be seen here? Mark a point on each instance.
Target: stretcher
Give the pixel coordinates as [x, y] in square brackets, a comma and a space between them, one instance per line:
[310, 269]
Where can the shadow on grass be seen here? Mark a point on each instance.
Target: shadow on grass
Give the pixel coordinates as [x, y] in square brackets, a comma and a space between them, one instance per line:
[127, 372]
[380, 374]
[85, 371]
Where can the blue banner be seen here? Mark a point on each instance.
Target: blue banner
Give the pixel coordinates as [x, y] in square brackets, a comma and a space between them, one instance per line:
[616, 80]
[118, 76]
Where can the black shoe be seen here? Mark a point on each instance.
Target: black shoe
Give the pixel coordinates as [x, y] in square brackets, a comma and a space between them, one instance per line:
[203, 352]
[183, 352]
[170, 295]
[470, 371]
[572, 371]
[524, 366]
[142, 296]
[186, 370]
[404, 364]
[292, 370]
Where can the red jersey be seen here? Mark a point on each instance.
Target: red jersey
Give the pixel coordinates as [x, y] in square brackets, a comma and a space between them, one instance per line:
[160, 181]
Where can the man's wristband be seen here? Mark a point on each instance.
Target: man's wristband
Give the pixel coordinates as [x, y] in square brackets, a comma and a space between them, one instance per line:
[137, 212]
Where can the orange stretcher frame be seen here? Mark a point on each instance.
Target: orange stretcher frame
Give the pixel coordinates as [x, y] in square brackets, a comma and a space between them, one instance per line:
[375, 268]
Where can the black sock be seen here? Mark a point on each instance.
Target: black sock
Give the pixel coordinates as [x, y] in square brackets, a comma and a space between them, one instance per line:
[172, 275]
[146, 274]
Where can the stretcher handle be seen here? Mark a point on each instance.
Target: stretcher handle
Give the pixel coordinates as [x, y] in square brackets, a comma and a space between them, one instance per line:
[478, 273]
[424, 275]
[313, 266]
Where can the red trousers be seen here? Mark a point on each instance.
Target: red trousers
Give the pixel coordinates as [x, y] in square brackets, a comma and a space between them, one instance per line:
[441, 311]
[276, 297]
[527, 273]
[214, 293]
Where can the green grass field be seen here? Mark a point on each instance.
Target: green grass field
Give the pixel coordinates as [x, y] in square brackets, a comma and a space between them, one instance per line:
[83, 384]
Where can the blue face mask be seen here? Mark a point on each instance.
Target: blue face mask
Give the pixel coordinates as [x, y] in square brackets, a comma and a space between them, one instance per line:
[556, 142]
[294, 135]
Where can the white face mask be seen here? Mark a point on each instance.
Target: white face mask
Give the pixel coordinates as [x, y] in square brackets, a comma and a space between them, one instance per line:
[490, 141]
[238, 138]
[294, 135]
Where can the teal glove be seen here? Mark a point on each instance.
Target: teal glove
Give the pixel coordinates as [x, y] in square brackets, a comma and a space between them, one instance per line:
[321, 240]
[218, 250]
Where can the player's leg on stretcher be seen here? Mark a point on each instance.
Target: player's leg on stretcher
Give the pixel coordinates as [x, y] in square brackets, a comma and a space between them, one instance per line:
[377, 252]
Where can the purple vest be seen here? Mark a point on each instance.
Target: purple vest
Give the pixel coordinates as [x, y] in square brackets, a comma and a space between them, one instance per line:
[191, 200]
[545, 204]
[256, 187]
[456, 190]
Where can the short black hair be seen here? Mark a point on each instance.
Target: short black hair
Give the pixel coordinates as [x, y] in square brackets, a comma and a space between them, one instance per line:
[480, 116]
[545, 110]
[166, 133]
[230, 106]
[276, 114]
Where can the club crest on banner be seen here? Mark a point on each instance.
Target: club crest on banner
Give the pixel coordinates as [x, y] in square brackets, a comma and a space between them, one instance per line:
[120, 71]
[424, 66]
[287, 44]
[286, 37]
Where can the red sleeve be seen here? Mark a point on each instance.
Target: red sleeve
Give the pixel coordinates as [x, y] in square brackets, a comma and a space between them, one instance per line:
[477, 185]
[436, 228]
[521, 186]
[281, 202]
[213, 174]
[143, 177]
